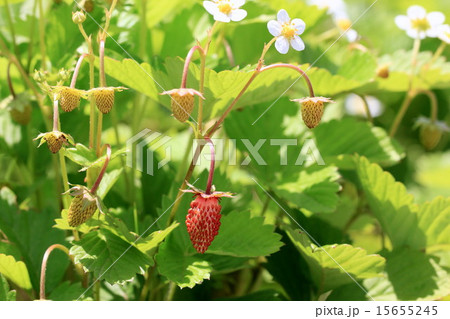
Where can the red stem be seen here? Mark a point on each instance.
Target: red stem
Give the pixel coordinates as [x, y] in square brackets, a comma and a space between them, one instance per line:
[102, 172]
[44, 267]
[296, 68]
[211, 167]
[187, 62]
[77, 70]
[10, 85]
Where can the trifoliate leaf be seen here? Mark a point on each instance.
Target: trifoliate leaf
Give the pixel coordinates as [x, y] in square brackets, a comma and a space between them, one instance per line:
[109, 257]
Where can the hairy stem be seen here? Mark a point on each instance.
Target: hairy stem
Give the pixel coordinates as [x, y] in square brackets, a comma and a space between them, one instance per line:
[8, 78]
[44, 266]
[76, 71]
[293, 67]
[366, 108]
[102, 172]
[211, 167]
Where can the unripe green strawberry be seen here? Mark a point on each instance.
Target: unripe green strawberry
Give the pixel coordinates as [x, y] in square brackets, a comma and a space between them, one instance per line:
[55, 140]
[81, 208]
[104, 97]
[69, 99]
[431, 132]
[182, 102]
[22, 117]
[430, 135]
[89, 5]
[312, 109]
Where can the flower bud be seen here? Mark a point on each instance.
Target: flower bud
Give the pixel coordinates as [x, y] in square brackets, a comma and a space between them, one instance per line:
[78, 17]
[39, 76]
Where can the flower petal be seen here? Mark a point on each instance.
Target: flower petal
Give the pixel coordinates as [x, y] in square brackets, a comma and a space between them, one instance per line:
[283, 16]
[211, 7]
[300, 25]
[403, 22]
[351, 35]
[297, 43]
[274, 28]
[282, 45]
[238, 15]
[222, 17]
[435, 18]
[415, 34]
[237, 3]
[416, 12]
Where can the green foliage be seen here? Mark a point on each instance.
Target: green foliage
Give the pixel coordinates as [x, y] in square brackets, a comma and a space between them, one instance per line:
[332, 266]
[109, 257]
[345, 211]
[16, 271]
[5, 293]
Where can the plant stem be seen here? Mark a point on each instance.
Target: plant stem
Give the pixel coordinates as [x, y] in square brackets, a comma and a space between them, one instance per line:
[213, 129]
[102, 172]
[62, 162]
[42, 35]
[433, 103]
[31, 37]
[44, 266]
[438, 53]
[170, 291]
[76, 71]
[11, 27]
[211, 167]
[55, 115]
[188, 61]
[410, 93]
[8, 78]
[293, 67]
[401, 113]
[13, 59]
[108, 20]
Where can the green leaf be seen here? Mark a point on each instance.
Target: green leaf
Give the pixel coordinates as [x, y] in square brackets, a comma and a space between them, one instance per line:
[332, 265]
[434, 221]
[109, 257]
[338, 143]
[243, 236]
[314, 188]
[108, 181]
[410, 275]
[67, 291]
[391, 204]
[16, 271]
[150, 243]
[359, 66]
[183, 269]
[428, 76]
[5, 293]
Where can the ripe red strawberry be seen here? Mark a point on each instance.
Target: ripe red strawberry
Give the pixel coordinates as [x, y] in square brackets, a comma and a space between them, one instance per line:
[203, 222]
[203, 218]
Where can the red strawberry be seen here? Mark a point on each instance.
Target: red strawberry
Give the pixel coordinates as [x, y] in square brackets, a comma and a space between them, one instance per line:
[203, 218]
[203, 222]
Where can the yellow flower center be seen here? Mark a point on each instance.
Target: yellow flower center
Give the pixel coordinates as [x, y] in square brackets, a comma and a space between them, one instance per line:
[288, 31]
[447, 34]
[344, 24]
[420, 24]
[225, 7]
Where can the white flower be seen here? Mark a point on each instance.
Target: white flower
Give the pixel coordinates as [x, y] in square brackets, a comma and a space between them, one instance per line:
[419, 24]
[444, 33]
[287, 32]
[226, 10]
[354, 105]
[336, 8]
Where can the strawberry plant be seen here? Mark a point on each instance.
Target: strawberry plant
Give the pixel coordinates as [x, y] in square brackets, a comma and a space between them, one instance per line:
[224, 150]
